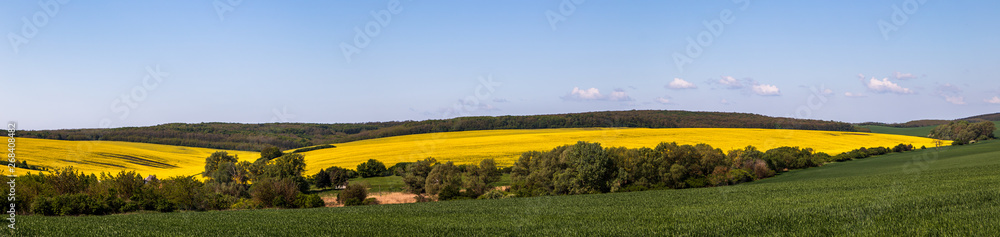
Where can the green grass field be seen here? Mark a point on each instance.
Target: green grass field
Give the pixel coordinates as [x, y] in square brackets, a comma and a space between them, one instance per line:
[916, 131]
[954, 191]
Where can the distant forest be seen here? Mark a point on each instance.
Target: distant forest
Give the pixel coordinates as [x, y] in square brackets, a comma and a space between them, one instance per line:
[935, 122]
[253, 137]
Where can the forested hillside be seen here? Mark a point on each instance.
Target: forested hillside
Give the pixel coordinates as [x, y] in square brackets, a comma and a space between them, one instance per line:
[935, 122]
[253, 137]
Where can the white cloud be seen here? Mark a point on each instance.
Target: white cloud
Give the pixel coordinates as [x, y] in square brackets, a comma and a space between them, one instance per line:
[595, 94]
[681, 84]
[731, 82]
[994, 100]
[850, 94]
[766, 90]
[827, 92]
[588, 94]
[955, 99]
[619, 95]
[662, 100]
[724, 101]
[885, 85]
[903, 76]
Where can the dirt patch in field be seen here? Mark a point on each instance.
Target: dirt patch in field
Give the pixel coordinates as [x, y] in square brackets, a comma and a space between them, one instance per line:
[383, 198]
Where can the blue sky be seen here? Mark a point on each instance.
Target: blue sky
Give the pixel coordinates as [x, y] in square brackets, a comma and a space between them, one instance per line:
[83, 64]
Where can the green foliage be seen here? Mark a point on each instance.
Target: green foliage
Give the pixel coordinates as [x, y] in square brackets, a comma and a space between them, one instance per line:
[962, 132]
[289, 166]
[416, 175]
[443, 176]
[313, 148]
[322, 179]
[244, 203]
[184, 192]
[372, 168]
[591, 167]
[269, 153]
[331, 177]
[399, 169]
[220, 166]
[275, 192]
[353, 195]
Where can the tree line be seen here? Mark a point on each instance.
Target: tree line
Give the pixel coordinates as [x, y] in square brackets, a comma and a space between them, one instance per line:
[254, 137]
[963, 132]
[273, 181]
[585, 168]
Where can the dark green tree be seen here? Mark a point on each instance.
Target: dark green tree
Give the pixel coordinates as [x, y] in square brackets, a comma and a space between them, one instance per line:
[354, 194]
[269, 153]
[372, 168]
[416, 175]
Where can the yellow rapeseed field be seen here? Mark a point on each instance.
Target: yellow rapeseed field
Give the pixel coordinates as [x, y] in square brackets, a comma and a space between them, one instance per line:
[505, 146]
[107, 156]
[460, 147]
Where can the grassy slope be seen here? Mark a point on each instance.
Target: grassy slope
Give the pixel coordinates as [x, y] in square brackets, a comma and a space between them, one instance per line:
[952, 192]
[914, 131]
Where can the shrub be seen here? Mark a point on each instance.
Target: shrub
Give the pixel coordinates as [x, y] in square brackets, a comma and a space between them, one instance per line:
[267, 192]
[162, 205]
[42, 206]
[244, 203]
[354, 194]
[737, 176]
[315, 201]
[370, 201]
[308, 201]
[449, 192]
[494, 194]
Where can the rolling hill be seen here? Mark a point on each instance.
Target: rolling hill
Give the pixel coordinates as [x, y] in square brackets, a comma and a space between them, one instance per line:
[505, 146]
[108, 156]
[948, 191]
[253, 137]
